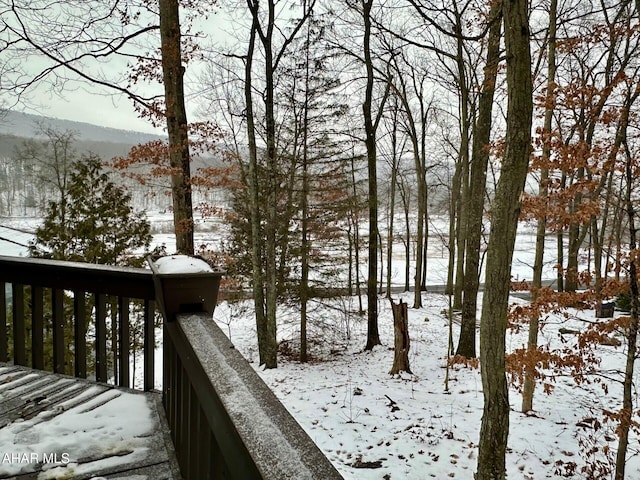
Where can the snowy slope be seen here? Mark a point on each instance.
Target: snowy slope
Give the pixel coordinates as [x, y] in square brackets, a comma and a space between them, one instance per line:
[375, 426]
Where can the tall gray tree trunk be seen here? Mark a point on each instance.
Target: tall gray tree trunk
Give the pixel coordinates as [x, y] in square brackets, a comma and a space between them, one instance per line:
[463, 158]
[305, 246]
[538, 262]
[254, 204]
[355, 217]
[478, 180]
[395, 159]
[632, 334]
[373, 337]
[176, 115]
[453, 222]
[263, 27]
[406, 208]
[461, 231]
[271, 208]
[494, 428]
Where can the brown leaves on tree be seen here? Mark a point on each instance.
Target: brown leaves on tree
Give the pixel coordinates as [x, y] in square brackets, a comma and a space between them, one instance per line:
[148, 163]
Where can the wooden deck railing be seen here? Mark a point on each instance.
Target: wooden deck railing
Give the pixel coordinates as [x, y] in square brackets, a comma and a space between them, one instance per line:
[45, 286]
[224, 421]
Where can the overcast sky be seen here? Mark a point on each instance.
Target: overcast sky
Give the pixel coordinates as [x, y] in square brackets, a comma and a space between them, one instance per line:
[81, 106]
[65, 95]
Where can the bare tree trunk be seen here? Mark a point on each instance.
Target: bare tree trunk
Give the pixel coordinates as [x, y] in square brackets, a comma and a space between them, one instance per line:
[392, 208]
[422, 194]
[494, 429]
[254, 205]
[453, 222]
[306, 243]
[425, 249]
[461, 233]
[560, 258]
[401, 338]
[618, 237]
[478, 180]
[632, 333]
[463, 158]
[350, 256]
[356, 235]
[532, 343]
[179, 158]
[381, 263]
[404, 195]
[271, 208]
[373, 337]
[606, 226]
[571, 273]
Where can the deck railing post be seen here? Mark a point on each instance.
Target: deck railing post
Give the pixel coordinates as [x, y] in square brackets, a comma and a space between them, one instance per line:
[212, 396]
[183, 284]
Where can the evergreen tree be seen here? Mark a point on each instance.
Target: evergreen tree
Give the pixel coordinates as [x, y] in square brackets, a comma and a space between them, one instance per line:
[100, 224]
[93, 223]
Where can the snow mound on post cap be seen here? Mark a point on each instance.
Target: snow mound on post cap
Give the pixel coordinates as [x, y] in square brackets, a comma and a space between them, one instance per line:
[182, 264]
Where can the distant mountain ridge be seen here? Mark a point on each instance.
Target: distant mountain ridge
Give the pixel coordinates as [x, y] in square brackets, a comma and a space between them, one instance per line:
[25, 125]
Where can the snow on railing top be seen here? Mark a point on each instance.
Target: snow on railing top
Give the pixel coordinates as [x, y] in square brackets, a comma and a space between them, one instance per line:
[182, 264]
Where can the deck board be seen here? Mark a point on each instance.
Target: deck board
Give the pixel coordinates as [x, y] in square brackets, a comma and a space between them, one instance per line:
[55, 426]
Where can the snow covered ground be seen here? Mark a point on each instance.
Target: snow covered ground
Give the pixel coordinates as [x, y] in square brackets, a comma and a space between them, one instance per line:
[372, 425]
[409, 426]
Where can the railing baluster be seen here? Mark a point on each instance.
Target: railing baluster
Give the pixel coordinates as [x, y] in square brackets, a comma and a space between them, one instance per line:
[168, 378]
[217, 466]
[194, 421]
[4, 351]
[149, 344]
[57, 305]
[37, 324]
[183, 406]
[204, 445]
[123, 330]
[80, 334]
[180, 450]
[112, 303]
[19, 350]
[101, 337]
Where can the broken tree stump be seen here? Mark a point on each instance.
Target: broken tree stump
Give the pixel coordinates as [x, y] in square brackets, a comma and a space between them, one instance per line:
[401, 338]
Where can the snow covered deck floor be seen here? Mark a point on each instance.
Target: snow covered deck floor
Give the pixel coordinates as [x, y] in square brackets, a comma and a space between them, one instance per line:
[54, 426]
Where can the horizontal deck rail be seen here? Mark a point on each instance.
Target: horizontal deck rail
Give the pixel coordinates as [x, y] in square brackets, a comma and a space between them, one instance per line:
[226, 423]
[70, 304]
